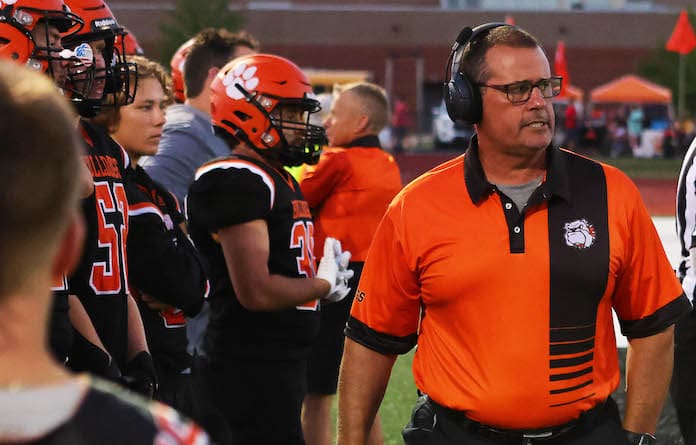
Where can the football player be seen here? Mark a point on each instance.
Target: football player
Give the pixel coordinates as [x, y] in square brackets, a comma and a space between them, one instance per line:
[101, 280]
[250, 221]
[30, 34]
[40, 240]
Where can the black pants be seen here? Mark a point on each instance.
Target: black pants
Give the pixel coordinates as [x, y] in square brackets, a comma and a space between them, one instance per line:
[448, 429]
[251, 402]
[683, 386]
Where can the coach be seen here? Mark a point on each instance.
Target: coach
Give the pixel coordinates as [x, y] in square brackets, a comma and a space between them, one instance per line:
[503, 266]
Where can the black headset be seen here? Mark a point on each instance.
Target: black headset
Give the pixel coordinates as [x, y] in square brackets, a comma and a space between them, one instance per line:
[462, 97]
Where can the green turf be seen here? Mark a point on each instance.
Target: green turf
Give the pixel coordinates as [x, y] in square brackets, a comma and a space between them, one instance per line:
[645, 168]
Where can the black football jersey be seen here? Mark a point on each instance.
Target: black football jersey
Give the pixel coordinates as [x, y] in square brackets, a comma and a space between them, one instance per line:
[163, 263]
[106, 414]
[235, 190]
[100, 281]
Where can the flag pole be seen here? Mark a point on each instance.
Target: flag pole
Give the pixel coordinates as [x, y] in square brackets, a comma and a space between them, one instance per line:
[682, 75]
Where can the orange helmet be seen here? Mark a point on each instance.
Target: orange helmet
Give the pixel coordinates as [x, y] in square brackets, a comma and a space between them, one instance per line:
[117, 75]
[130, 44]
[18, 20]
[264, 101]
[177, 69]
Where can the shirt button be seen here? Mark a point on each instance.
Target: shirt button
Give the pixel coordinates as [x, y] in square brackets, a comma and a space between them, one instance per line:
[508, 206]
[517, 229]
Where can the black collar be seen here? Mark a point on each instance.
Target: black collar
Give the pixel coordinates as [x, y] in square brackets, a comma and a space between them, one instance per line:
[370, 140]
[556, 183]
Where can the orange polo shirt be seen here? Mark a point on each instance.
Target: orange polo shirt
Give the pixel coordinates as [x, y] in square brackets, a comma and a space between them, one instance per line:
[349, 191]
[511, 311]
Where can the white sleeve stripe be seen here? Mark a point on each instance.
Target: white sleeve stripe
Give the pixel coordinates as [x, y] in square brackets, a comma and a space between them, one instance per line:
[241, 165]
[144, 210]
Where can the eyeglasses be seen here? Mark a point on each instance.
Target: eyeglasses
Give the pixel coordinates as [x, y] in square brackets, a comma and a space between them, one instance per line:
[520, 92]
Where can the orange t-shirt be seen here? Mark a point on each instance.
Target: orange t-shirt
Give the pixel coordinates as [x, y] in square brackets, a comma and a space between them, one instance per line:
[511, 311]
[349, 191]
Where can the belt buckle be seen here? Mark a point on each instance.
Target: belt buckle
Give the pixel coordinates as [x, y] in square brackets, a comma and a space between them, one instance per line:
[528, 438]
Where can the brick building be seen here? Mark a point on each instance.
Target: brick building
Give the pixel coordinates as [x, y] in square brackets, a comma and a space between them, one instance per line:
[403, 45]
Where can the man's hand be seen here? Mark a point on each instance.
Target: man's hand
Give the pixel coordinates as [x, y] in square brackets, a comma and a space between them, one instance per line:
[333, 268]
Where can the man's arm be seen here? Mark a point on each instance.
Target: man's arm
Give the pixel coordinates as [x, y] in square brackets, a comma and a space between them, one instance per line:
[649, 363]
[247, 249]
[362, 384]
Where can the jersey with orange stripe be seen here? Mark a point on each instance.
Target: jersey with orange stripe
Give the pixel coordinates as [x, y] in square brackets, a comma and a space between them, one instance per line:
[235, 190]
[162, 263]
[511, 310]
[100, 280]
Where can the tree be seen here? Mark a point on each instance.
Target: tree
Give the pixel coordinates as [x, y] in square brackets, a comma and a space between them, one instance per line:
[191, 16]
[662, 66]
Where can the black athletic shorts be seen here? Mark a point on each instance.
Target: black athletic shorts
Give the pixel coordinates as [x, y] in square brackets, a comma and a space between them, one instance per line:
[250, 402]
[325, 360]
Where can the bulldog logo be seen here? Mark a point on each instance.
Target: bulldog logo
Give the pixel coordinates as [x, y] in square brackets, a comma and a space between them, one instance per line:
[579, 234]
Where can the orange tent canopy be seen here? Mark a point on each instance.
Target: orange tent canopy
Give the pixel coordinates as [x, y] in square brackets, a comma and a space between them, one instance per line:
[631, 89]
[572, 92]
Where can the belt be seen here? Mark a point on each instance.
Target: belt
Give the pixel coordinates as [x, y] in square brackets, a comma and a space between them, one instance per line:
[586, 420]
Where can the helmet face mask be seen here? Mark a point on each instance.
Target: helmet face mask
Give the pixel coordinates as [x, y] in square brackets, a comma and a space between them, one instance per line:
[263, 101]
[113, 82]
[30, 33]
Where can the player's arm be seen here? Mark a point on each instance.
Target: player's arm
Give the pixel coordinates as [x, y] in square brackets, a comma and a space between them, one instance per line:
[246, 248]
[362, 384]
[649, 363]
[318, 182]
[137, 342]
[80, 321]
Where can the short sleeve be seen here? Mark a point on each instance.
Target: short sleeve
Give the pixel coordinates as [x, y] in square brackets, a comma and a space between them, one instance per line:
[229, 192]
[648, 297]
[386, 309]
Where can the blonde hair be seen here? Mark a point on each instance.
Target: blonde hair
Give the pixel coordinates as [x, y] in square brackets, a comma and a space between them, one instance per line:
[373, 100]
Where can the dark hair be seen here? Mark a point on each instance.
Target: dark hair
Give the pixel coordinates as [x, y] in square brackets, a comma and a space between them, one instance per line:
[212, 47]
[474, 55]
[39, 171]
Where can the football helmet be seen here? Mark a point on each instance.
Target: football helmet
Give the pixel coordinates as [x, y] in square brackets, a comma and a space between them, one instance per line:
[117, 78]
[264, 101]
[19, 19]
[130, 44]
[177, 69]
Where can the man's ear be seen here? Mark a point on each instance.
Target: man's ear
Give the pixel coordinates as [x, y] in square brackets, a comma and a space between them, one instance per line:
[363, 124]
[69, 247]
[212, 72]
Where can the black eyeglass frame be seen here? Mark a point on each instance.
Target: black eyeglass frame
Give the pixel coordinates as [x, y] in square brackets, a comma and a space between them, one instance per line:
[505, 88]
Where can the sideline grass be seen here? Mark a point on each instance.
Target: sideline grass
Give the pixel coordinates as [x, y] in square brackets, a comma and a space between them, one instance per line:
[645, 168]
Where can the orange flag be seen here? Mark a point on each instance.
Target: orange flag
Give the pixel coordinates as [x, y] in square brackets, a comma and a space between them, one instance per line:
[560, 67]
[682, 40]
[510, 20]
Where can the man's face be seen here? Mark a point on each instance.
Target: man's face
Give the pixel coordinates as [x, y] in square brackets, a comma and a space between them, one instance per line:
[48, 36]
[344, 119]
[140, 127]
[293, 118]
[515, 129]
[92, 86]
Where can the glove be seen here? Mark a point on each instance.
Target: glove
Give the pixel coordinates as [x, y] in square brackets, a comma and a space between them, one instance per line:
[333, 268]
[140, 375]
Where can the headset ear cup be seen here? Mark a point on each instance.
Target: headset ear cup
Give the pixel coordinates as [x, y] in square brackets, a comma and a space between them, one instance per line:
[463, 100]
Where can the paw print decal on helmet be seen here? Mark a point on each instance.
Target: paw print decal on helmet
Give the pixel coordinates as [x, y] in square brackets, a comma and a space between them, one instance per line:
[243, 76]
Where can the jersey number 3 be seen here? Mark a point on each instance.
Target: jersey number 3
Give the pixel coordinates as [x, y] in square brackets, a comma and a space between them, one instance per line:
[302, 237]
[109, 277]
